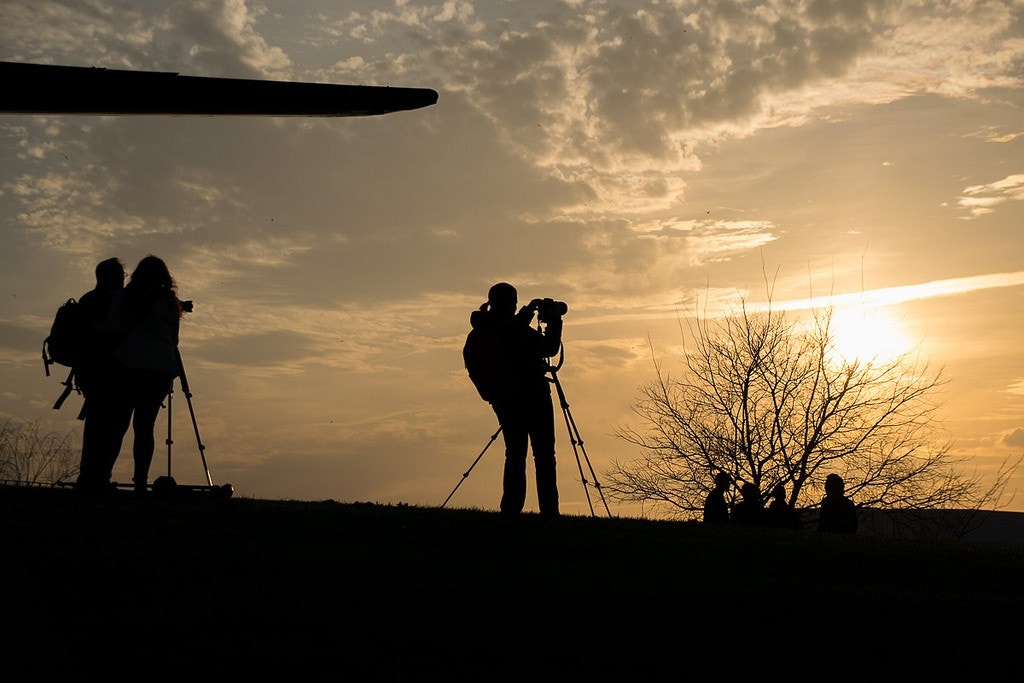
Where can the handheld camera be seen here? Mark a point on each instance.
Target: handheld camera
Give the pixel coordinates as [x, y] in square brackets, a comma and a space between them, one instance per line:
[548, 309]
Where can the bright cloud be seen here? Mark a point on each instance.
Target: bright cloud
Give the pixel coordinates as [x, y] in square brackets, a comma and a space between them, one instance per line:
[980, 200]
[890, 296]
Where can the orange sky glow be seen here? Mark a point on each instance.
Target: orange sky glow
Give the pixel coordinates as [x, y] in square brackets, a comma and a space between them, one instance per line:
[638, 160]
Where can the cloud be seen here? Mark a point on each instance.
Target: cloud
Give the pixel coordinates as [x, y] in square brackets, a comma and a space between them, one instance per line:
[212, 37]
[979, 200]
[109, 34]
[723, 301]
[220, 38]
[888, 296]
[995, 134]
[625, 97]
[617, 101]
[1014, 438]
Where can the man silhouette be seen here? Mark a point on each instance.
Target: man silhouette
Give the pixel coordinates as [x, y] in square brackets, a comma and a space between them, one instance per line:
[780, 514]
[750, 509]
[94, 306]
[838, 513]
[95, 374]
[507, 361]
[715, 507]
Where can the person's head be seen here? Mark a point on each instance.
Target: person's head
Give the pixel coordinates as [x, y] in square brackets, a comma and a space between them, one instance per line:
[834, 485]
[110, 274]
[502, 299]
[152, 273]
[722, 481]
[779, 492]
[750, 492]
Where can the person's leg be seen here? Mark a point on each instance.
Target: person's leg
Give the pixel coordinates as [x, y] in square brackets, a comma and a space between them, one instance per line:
[106, 421]
[513, 430]
[90, 467]
[542, 441]
[151, 388]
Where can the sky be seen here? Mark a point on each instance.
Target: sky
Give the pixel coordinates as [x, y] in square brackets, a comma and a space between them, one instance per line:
[640, 161]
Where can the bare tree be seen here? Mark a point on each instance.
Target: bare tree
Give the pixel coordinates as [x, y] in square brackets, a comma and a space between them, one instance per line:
[769, 401]
[28, 457]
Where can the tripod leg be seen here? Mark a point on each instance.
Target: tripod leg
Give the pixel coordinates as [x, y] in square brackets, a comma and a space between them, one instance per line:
[593, 475]
[577, 440]
[572, 436]
[169, 441]
[195, 425]
[465, 475]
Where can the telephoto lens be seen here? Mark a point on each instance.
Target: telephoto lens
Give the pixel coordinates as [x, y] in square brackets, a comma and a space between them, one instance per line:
[556, 307]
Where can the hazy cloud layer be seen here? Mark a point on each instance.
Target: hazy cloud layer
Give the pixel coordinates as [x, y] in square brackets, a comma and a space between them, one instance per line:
[598, 109]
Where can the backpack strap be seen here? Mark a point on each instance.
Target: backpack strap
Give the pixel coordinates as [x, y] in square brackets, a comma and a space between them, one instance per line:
[69, 386]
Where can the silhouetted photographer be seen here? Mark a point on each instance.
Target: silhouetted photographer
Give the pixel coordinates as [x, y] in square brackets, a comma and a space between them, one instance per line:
[507, 361]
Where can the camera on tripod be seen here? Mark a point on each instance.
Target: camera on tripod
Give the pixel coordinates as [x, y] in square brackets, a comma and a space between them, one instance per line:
[548, 309]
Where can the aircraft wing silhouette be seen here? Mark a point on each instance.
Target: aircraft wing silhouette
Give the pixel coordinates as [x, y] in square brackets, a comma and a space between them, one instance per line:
[46, 89]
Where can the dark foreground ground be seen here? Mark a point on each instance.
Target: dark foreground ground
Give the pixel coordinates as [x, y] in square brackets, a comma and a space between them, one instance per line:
[245, 589]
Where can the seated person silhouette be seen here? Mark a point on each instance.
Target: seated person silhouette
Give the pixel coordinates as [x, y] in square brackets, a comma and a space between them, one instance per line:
[780, 514]
[750, 510]
[715, 508]
[838, 513]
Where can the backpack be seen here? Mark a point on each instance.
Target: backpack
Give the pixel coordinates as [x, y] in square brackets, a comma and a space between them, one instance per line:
[67, 337]
[64, 346]
[478, 356]
[481, 356]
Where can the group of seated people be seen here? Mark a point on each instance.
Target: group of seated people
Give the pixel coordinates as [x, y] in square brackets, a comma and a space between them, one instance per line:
[837, 512]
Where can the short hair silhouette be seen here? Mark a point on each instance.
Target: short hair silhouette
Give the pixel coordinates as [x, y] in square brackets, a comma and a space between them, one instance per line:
[503, 296]
[834, 485]
[110, 269]
[838, 513]
[715, 508]
[750, 510]
[780, 514]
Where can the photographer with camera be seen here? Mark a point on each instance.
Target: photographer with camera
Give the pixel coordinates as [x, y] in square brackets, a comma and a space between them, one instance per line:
[507, 362]
[143, 325]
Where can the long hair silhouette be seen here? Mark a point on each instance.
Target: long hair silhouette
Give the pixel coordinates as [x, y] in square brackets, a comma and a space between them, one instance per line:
[149, 280]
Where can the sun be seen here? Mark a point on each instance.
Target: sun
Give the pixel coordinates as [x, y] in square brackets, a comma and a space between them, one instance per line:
[869, 334]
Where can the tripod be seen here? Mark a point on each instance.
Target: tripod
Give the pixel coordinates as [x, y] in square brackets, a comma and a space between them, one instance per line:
[574, 438]
[226, 490]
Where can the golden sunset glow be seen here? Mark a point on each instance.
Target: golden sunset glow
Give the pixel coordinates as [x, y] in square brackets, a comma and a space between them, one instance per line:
[641, 161]
[869, 335]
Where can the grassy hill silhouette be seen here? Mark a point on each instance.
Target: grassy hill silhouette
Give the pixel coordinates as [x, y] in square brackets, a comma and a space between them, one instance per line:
[329, 591]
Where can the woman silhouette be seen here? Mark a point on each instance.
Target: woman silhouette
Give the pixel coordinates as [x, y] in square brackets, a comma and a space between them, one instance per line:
[145, 317]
